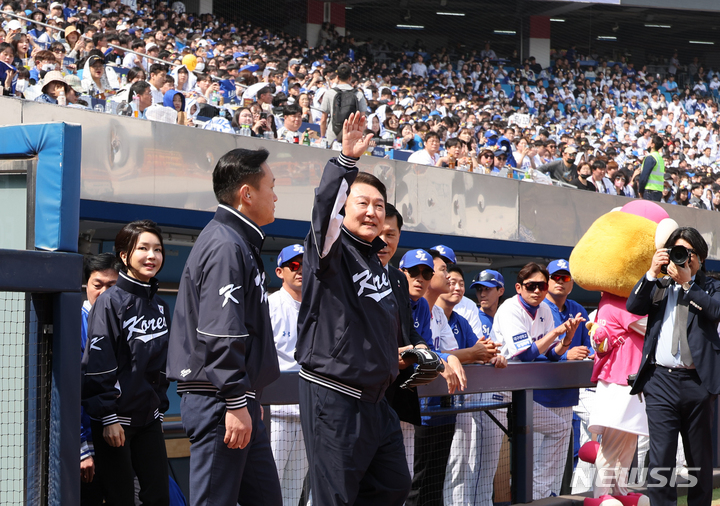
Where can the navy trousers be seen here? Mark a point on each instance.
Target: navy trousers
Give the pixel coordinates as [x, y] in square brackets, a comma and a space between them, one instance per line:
[143, 455]
[677, 402]
[220, 476]
[355, 449]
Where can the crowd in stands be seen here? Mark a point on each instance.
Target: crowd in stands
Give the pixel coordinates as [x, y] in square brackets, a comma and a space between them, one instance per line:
[502, 116]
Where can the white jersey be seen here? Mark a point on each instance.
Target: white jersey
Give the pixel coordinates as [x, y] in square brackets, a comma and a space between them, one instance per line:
[516, 329]
[442, 334]
[469, 310]
[283, 316]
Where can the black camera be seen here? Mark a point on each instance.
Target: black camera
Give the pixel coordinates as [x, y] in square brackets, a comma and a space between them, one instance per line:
[679, 255]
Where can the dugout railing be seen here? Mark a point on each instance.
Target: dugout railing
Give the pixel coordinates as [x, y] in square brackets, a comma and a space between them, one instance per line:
[519, 378]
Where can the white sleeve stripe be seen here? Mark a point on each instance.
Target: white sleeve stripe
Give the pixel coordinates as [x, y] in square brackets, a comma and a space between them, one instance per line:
[336, 220]
[98, 373]
[219, 335]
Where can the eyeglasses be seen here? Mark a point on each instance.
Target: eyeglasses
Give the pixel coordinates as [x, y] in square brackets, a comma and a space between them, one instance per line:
[536, 285]
[565, 278]
[414, 272]
[293, 266]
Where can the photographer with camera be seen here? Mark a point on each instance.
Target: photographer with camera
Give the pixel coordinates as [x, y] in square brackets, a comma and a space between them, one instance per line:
[680, 357]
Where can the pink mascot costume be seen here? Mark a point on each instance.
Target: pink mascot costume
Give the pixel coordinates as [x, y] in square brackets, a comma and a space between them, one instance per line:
[613, 254]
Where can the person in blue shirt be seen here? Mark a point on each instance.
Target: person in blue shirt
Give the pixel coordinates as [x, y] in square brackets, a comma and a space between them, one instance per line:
[100, 273]
[560, 285]
[477, 441]
[434, 436]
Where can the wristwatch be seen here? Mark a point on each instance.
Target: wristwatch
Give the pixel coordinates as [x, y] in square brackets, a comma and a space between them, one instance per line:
[686, 286]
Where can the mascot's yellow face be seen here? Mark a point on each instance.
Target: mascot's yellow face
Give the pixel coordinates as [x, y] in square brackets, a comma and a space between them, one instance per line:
[618, 248]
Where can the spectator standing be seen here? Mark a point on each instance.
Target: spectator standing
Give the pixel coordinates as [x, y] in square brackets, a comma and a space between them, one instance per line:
[419, 68]
[563, 169]
[652, 177]
[156, 79]
[328, 106]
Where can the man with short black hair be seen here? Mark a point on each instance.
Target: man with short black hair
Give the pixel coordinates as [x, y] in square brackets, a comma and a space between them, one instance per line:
[221, 315]
[100, 272]
[678, 375]
[292, 121]
[156, 79]
[348, 336]
[430, 155]
[651, 179]
[344, 77]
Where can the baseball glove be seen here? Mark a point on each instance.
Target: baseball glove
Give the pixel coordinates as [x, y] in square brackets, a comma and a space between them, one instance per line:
[429, 365]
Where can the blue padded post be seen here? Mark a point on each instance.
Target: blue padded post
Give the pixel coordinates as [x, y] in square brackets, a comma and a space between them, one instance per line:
[58, 147]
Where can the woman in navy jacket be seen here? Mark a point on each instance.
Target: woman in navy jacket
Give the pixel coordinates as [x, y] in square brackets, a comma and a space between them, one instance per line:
[124, 383]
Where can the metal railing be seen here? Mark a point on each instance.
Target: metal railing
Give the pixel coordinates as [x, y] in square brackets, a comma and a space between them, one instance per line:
[519, 378]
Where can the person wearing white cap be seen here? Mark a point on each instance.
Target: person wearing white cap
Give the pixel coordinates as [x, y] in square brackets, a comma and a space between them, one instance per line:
[12, 28]
[286, 441]
[53, 85]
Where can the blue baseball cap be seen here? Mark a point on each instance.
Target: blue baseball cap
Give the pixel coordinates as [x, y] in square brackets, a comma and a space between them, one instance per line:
[490, 133]
[289, 252]
[489, 278]
[417, 257]
[558, 265]
[446, 253]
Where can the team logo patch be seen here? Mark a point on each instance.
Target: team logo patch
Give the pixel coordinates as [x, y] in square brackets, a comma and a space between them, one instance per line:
[371, 286]
[227, 292]
[185, 372]
[520, 337]
[563, 264]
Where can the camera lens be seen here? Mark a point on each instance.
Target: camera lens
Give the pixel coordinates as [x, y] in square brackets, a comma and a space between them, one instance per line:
[679, 255]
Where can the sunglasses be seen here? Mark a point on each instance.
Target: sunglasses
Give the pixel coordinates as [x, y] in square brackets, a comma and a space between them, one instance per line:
[293, 266]
[565, 278]
[414, 272]
[536, 285]
[487, 156]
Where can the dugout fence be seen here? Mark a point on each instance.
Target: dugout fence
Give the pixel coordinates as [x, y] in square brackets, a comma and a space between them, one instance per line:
[40, 304]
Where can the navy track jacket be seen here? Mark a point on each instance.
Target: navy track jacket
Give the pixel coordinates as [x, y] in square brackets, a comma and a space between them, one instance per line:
[125, 355]
[349, 321]
[222, 340]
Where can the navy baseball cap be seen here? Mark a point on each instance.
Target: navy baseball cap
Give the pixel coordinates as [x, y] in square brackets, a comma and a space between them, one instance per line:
[290, 252]
[446, 253]
[417, 257]
[489, 278]
[559, 265]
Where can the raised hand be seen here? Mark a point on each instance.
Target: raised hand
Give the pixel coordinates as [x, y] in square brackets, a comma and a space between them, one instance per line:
[353, 143]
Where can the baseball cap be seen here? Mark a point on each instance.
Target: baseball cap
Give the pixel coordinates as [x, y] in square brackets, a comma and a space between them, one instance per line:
[446, 253]
[558, 265]
[13, 25]
[417, 257]
[489, 278]
[56, 5]
[94, 59]
[490, 133]
[289, 252]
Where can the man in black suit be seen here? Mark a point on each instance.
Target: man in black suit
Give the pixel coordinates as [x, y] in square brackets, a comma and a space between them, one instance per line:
[405, 401]
[681, 356]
